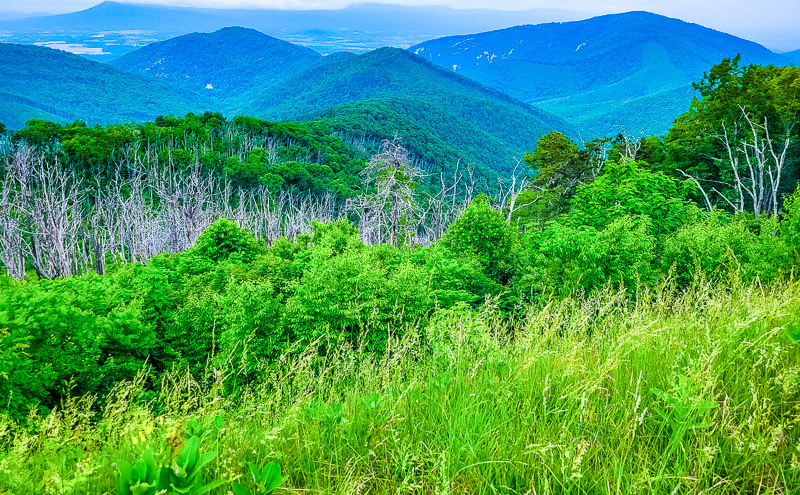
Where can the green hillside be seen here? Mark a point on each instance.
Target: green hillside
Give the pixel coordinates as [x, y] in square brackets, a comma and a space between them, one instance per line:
[440, 138]
[38, 82]
[644, 114]
[410, 96]
[443, 118]
[221, 63]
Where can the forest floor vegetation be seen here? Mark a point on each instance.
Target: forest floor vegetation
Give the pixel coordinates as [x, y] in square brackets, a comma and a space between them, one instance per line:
[693, 390]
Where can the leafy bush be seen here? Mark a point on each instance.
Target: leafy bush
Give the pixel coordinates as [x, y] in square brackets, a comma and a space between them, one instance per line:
[723, 244]
[630, 188]
[354, 296]
[77, 335]
[483, 233]
[790, 226]
[225, 238]
[563, 258]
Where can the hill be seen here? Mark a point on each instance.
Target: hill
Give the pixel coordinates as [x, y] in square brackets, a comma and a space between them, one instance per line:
[390, 90]
[221, 63]
[442, 117]
[39, 82]
[594, 72]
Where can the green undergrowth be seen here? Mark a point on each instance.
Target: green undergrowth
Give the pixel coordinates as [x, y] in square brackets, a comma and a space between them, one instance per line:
[668, 391]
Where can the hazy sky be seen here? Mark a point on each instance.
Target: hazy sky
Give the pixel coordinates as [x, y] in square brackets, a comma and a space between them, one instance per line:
[753, 18]
[766, 9]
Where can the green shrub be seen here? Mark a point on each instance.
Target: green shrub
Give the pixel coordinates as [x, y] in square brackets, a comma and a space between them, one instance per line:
[453, 279]
[722, 244]
[483, 233]
[78, 335]
[250, 326]
[563, 258]
[338, 297]
[224, 238]
[790, 226]
[631, 188]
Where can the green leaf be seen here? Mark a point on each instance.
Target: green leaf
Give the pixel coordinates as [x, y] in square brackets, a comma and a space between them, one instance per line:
[189, 454]
[271, 476]
[205, 459]
[125, 471]
[255, 472]
[219, 422]
[240, 489]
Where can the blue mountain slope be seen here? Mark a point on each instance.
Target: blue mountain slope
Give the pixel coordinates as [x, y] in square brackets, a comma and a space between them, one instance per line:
[221, 63]
[578, 69]
[793, 56]
[443, 116]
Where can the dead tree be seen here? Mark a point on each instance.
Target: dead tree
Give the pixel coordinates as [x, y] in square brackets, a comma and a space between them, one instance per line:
[12, 242]
[756, 162]
[440, 207]
[632, 144]
[509, 192]
[188, 197]
[390, 180]
[47, 201]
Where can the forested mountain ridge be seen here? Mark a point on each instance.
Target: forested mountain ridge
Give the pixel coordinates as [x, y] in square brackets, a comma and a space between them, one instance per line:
[493, 126]
[588, 71]
[443, 118]
[39, 82]
[222, 63]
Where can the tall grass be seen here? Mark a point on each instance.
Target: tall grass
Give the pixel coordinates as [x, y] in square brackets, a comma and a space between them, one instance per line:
[670, 391]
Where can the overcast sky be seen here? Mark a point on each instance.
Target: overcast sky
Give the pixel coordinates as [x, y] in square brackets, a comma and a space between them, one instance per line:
[747, 18]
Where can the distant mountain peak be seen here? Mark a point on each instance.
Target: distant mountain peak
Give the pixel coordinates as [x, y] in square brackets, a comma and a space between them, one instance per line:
[595, 71]
[235, 58]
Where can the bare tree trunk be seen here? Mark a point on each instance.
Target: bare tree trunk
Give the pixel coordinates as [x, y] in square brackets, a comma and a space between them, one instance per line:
[758, 179]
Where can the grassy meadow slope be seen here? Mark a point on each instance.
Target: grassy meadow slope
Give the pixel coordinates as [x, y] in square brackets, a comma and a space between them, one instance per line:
[584, 395]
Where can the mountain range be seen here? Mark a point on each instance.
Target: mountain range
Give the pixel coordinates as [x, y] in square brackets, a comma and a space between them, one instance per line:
[222, 63]
[469, 98]
[390, 90]
[599, 73]
[112, 29]
[441, 116]
[379, 93]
